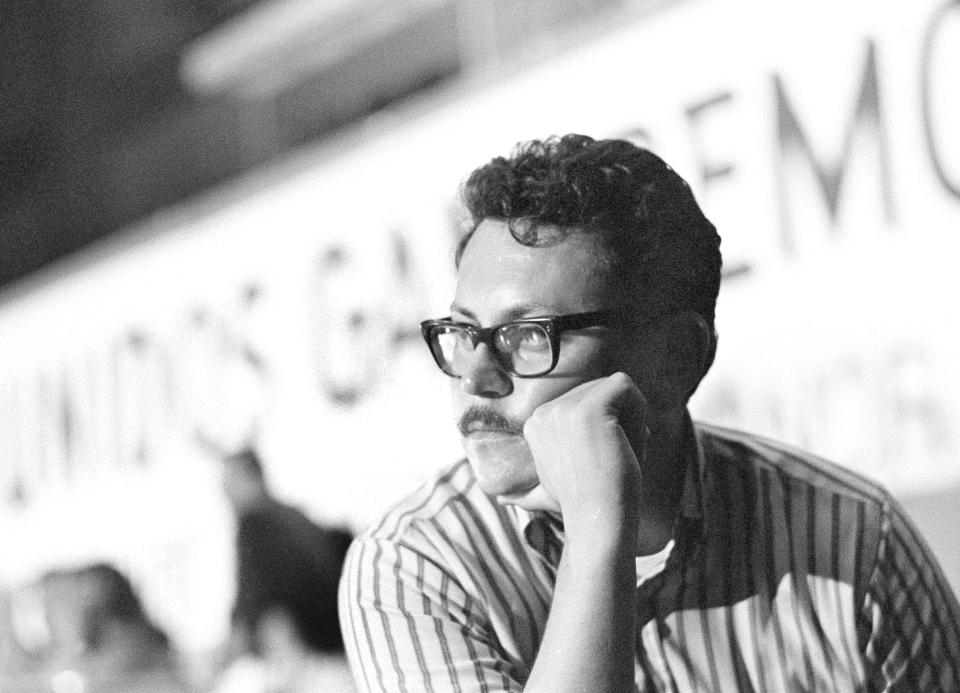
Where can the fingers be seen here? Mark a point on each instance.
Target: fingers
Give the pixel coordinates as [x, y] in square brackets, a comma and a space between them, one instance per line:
[588, 446]
[624, 396]
[536, 498]
[615, 396]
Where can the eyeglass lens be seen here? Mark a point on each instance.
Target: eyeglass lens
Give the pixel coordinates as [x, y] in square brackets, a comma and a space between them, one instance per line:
[522, 347]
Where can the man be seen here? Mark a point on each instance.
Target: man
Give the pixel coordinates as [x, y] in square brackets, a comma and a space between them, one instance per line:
[596, 539]
[287, 568]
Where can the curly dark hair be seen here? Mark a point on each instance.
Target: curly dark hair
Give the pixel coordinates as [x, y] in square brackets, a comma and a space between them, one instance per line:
[658, 242]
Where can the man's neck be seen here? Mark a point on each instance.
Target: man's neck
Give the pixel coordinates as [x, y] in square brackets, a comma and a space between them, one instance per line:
[664, 473]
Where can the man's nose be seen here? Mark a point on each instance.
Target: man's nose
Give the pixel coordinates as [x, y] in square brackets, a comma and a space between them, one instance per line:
[484, 377]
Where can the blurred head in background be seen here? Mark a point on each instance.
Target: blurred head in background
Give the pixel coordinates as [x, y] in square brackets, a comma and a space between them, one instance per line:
[243, 481]
[98, 628]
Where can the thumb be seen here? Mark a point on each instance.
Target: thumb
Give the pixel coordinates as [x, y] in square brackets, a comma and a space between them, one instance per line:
[536, 498]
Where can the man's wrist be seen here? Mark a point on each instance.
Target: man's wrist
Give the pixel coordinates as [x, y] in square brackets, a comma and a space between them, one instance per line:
[601, 530]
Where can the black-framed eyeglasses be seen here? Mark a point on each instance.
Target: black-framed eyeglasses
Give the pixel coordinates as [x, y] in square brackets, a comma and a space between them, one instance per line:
[526, 348]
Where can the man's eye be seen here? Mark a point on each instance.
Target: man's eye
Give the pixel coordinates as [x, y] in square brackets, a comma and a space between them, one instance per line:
[535, 340]
[512, 338]
[509, 339]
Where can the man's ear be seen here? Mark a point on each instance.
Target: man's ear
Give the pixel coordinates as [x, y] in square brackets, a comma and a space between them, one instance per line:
[711, 352]
[677, 352]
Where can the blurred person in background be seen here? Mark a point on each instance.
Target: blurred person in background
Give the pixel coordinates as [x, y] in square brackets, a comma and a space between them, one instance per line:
[596, 538]
[285, 630]
[101, 640]
[23, 639]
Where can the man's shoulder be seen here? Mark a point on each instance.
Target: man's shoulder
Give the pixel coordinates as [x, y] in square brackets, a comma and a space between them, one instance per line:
[448, 526]
[762, 455]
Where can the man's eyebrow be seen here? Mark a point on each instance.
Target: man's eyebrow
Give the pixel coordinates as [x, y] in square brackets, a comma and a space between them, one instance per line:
[466, 312]
[515, 313]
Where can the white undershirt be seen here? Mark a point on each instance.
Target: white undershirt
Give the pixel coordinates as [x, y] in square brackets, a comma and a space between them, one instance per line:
[648, 566]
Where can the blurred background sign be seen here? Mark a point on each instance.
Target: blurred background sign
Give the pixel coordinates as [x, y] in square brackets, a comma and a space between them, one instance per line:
[280, 307]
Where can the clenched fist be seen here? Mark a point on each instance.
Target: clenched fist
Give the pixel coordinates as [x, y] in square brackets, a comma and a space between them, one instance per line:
[585, 444]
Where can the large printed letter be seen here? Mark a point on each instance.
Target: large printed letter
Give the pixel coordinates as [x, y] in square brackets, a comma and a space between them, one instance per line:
[791, 139]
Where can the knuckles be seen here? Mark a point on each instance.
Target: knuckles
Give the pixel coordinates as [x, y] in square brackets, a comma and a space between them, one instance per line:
[586, 405]
[621, 380]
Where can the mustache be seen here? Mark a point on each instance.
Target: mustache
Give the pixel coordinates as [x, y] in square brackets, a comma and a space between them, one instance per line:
[490, 419]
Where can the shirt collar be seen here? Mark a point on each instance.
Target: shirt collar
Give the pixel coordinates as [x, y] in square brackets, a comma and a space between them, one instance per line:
[694, 460]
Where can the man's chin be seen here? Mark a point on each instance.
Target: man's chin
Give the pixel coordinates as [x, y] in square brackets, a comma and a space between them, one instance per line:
[503, 464]
[499, 487]
[494, 480]
[505, 470]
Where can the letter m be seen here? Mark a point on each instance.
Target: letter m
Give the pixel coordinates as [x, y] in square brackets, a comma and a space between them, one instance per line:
[792, 140]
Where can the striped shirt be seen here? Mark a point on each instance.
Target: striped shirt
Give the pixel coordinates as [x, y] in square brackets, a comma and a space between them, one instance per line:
[788, 573]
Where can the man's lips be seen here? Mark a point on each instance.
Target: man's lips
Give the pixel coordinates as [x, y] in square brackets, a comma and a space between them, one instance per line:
[478, 421]
[487, 432]
[481, 427]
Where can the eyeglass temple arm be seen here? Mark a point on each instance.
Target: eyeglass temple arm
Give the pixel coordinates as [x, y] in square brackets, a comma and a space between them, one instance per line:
[580, 320]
